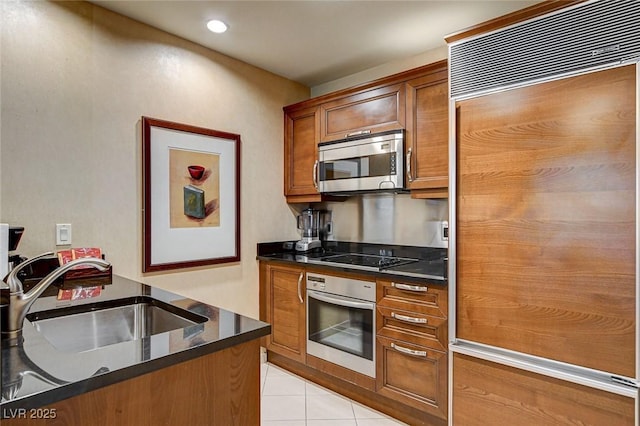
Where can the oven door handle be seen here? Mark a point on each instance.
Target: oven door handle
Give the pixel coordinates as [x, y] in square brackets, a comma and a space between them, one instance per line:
[340, 301]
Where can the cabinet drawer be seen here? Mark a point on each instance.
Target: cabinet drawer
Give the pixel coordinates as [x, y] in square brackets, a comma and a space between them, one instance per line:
[418, 298]
[413, 375]
[406, 326]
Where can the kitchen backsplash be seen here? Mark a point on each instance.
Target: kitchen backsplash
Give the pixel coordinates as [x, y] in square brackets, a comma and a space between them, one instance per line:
[387, 219]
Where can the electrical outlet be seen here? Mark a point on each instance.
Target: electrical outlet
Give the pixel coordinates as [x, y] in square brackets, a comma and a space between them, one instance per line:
[63, 234]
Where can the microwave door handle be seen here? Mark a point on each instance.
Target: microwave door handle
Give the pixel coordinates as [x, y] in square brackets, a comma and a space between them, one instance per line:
[315, 175]
[340, 301]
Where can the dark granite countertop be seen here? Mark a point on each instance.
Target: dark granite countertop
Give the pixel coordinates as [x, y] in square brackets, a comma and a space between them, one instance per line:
[72, 373]
[429, 264]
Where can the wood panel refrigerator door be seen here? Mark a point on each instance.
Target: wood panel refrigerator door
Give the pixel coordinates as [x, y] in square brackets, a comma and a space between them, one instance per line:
[546, 220]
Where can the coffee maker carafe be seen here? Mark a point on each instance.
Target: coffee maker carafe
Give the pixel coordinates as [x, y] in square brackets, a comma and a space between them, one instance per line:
[308, 223]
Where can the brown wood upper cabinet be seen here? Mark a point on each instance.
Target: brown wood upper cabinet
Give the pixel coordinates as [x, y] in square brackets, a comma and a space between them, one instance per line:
[416, 100]
[370, 111]
[427, 135]
[300, 154]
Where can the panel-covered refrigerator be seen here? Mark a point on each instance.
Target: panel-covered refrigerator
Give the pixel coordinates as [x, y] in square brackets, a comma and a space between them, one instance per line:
[544, 221]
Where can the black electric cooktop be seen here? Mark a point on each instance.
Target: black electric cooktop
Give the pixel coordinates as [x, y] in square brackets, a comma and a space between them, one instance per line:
[417, 262]
[435, 268]
[367, 260]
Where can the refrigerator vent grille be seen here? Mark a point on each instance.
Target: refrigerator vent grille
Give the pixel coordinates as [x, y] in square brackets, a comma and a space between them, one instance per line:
[588, 35]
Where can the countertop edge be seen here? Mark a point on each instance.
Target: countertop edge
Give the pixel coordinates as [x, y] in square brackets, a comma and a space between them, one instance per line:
[374, 274]
[93, 383]
[254, 329]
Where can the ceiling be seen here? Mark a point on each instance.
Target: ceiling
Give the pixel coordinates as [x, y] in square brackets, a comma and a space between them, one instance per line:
[314, 42]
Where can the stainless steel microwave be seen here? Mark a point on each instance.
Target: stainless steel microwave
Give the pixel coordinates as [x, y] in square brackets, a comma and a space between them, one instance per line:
[365, 163]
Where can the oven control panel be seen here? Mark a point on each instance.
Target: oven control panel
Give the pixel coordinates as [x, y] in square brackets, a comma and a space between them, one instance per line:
[315, 282]
[358, 289]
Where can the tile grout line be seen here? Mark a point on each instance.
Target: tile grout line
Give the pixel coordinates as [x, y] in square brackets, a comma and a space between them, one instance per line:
[270, 369]
[305, 400]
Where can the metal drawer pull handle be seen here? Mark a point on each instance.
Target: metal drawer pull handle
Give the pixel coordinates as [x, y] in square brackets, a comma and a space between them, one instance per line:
[409, 351]
[299, 287]
[418, 288]
[408, 318]
[359, 132]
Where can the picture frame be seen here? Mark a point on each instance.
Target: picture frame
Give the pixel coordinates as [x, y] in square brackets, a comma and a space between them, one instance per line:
[191, 196]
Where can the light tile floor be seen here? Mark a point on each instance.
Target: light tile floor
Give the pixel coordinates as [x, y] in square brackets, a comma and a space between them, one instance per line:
[288, 400]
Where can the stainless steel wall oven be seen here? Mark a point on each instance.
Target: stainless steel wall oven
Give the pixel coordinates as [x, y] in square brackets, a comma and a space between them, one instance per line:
[341, 315]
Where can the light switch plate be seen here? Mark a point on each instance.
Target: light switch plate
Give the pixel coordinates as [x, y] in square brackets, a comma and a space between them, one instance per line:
[63, 234]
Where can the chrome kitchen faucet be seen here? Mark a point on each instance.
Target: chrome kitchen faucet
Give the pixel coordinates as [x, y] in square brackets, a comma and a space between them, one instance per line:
[14, 310]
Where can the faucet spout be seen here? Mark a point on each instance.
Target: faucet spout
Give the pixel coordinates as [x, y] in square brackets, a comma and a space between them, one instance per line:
[12, 280]
[19, 302]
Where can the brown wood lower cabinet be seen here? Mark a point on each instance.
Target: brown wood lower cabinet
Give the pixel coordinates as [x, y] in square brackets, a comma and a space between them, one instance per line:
[486, 393]
[410, 386]
[222, 388]
[284, 288]
[414, 375]
[412, 345]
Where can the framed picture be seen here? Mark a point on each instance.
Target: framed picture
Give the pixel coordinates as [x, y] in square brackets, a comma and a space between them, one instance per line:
[191, 201]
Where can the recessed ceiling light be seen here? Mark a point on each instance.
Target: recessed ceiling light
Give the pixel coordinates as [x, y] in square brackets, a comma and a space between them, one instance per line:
[216, 26]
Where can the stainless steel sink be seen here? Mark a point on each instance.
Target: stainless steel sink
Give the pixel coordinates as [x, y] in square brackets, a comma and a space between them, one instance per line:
[87, 327]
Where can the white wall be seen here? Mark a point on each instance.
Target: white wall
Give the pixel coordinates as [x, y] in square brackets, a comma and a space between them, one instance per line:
[75, 80]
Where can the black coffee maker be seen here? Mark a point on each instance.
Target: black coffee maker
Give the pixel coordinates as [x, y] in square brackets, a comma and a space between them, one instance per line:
[15, 233]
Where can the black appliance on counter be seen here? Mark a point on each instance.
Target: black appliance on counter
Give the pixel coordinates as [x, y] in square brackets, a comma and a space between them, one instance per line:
[15, 234]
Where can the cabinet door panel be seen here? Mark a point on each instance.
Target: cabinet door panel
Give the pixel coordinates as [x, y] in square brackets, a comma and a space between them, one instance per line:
[300, 153]
[285, 312]
[374, 110]
[418, 380]
[485, 393]
[546, 220]
[428, 131]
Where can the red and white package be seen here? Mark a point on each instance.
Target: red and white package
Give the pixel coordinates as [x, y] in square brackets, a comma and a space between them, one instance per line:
[79, 293]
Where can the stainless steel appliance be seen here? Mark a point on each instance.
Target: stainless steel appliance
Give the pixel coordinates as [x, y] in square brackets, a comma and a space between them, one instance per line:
[341, 321]
[308, 223]
[364, 163]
